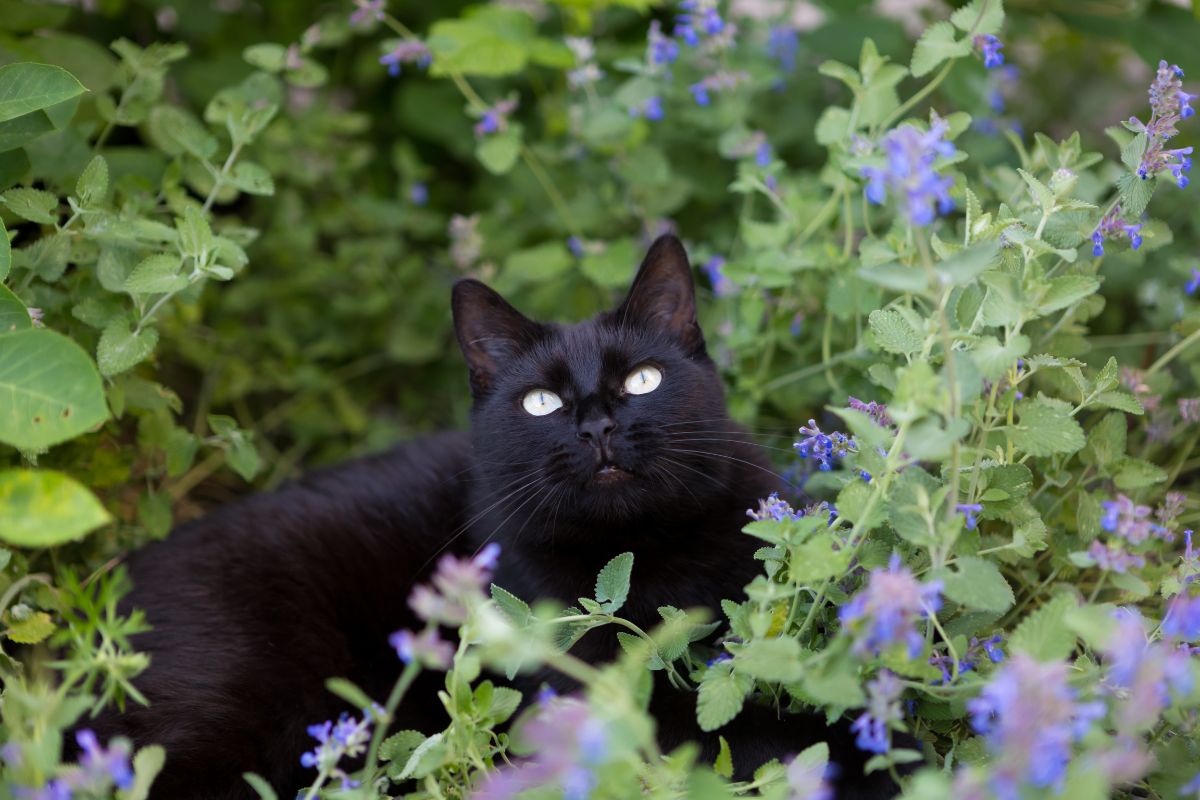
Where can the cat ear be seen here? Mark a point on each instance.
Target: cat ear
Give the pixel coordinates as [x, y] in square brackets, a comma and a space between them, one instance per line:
[662, 295]
[489, 331]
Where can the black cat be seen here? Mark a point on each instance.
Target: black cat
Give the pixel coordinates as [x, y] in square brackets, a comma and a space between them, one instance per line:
[586, 441]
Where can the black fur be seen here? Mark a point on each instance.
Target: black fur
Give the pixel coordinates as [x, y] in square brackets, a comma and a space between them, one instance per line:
[256, 604]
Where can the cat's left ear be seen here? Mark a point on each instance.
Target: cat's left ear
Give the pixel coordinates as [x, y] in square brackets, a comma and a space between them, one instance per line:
[489, 330]
[662, 295]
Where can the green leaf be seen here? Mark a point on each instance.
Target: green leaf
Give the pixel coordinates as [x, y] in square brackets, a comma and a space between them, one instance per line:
[837, 685]
[176, 131]
[723, 766]
[1067, 290]
[1041, 192]
[267, 55]
[611, 268]
[13, 314]
[1046, 428]
[156, 274]
[935, 46]
[818, 559]
[517, 610]
[251, 178]
[121, 348]
[965, 265]
[26, 87]
[977, 583]
[473, 47]
[261, 787]
[31, 630]
[349, 692]
[979, 17]
[49, 390]
[32, 204]
[147, 763]
[839, 71]
[774, 660]
[92, 185]
[195, 235]
[1135, 193]
[896, 276]
[1119, 399]
[612, 584]
[721, 696]
[498, 152]
[895, 333]
[43, 508]
[504, 704]
[539, 263]
[5, 252]
[1044, 633]
[1134, 473]
[243, 457]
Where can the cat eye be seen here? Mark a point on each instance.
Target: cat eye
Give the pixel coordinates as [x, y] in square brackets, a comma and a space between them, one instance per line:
[541, 402]
[643, 380]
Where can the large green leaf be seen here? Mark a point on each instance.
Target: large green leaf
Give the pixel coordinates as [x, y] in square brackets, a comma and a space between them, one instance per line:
[25, 88]
[43, 508]
[13, 314]
[5, 252]
[49, 389]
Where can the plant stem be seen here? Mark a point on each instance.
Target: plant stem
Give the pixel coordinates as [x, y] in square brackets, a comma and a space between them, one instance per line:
[406, 679]
[1170, 355]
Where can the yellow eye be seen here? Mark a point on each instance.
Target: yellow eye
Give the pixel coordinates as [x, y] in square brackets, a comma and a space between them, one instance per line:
[541, 402]
[643, 380]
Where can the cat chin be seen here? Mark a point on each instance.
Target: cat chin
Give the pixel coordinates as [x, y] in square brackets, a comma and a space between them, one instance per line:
[611, 475]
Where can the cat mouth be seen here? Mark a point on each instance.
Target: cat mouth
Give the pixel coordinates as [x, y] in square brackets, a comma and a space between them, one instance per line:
[611, 473]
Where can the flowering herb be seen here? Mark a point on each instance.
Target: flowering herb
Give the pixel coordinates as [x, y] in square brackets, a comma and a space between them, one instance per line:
[1113, 227]
[495, 119]
[883, 711]
[910, 175]
[1030, 718]
[1131, 521]
[1169, 104]
[405, 52]
[1146, 672]
[426, 648]
[990, 47]
[457, 584]
[884, 613]
[823, 447]
[366, 12]
[721, 285]
[1193, 283]
[346, 738]
[970, 512]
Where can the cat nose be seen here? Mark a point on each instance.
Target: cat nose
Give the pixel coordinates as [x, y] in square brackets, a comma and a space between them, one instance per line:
[597, 430]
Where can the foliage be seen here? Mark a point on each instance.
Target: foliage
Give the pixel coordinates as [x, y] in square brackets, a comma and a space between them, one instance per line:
[207, 241]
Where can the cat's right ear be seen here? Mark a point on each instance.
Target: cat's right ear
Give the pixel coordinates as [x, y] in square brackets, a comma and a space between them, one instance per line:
[489, 331]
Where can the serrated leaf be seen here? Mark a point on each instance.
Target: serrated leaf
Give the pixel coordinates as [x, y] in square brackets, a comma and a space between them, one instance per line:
[1066, 290]
[839, 71]
[26, 87]
[34, 205]
[612, 584]
[504, 704]
[1045, 429]
[32, 629]
[1131, 154]
[1041, 192]
[977, 583]
[156, 274]
[966, 265]
[979, 17]
[252, 178]
[721, 696]
[1044, 634]
[895, 333]
[92, 185]
[896, 276]
[43, 508]
[517, 610]
[774, 660]
[121, 348]
[937, 44]
[1134, 473]
[49, 390]
[1135, 193]
[1121, 400]
[723, 766]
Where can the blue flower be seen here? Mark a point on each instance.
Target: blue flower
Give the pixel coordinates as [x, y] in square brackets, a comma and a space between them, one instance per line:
[348, 738]
[419, 194]
[1169, 104]
[1135, 236]
[783, 44]
[721, 285]
[969, 510]
[883, 708]
[100, 764]
[824, 447]
[763, 155]
[910, 175]
[1194, 283]
[426, 648]
[406, 52]
[700, 93]
[885, 611]
[661, 49]
[651, 109]
[1030, 718]
[1182, 621]
[774, 508]
[990, 46]
[366, 12]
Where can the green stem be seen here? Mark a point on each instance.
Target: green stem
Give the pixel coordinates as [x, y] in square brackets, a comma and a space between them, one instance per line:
[1170, 355]
[406, 679]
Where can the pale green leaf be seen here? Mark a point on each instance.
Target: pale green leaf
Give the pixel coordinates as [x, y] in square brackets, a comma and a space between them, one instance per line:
[121, 347]
[26, 87]
[13, 314]
[937, 44]
[1044, 634]
[49, 390]
[1045, 428]
[977, 583]
[43, 508]
[612, 584]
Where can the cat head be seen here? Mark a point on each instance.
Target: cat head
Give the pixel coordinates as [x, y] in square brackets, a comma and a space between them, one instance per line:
[603, 421]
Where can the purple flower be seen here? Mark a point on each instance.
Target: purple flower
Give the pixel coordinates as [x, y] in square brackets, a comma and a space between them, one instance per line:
[1146, 672]
[367, 11]
[876, 411]
[457, 585]
[700, 93]
[910, 175]
[719, 81]
[797, 325]
[885, 611]
[347, 738]
[661, 49]
[822, 447]
[774, 508]
[1192, 787]
[570, 744]
[427, 648]
[1113, 557]
[419, 194]
[1194, 283]
[1112, 226]
[495, 119]
[1168, 105]
[1182, 621]
[783, 44]
[944, 662]
[100, 766]
[651, 109]
[721, 285]
[969, 510]
[1131, 521]
[1030, 718]
[990, 46]
[807, 781]
[575, 245]
[406, 53]
[763, 154]
[883, 708]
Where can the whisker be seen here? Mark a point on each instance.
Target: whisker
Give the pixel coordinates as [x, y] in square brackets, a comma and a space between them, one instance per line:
[495, 530]
[775, 475]
[731, 441]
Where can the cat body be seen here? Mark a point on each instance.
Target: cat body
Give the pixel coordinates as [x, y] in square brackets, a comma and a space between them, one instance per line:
[586, 441]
